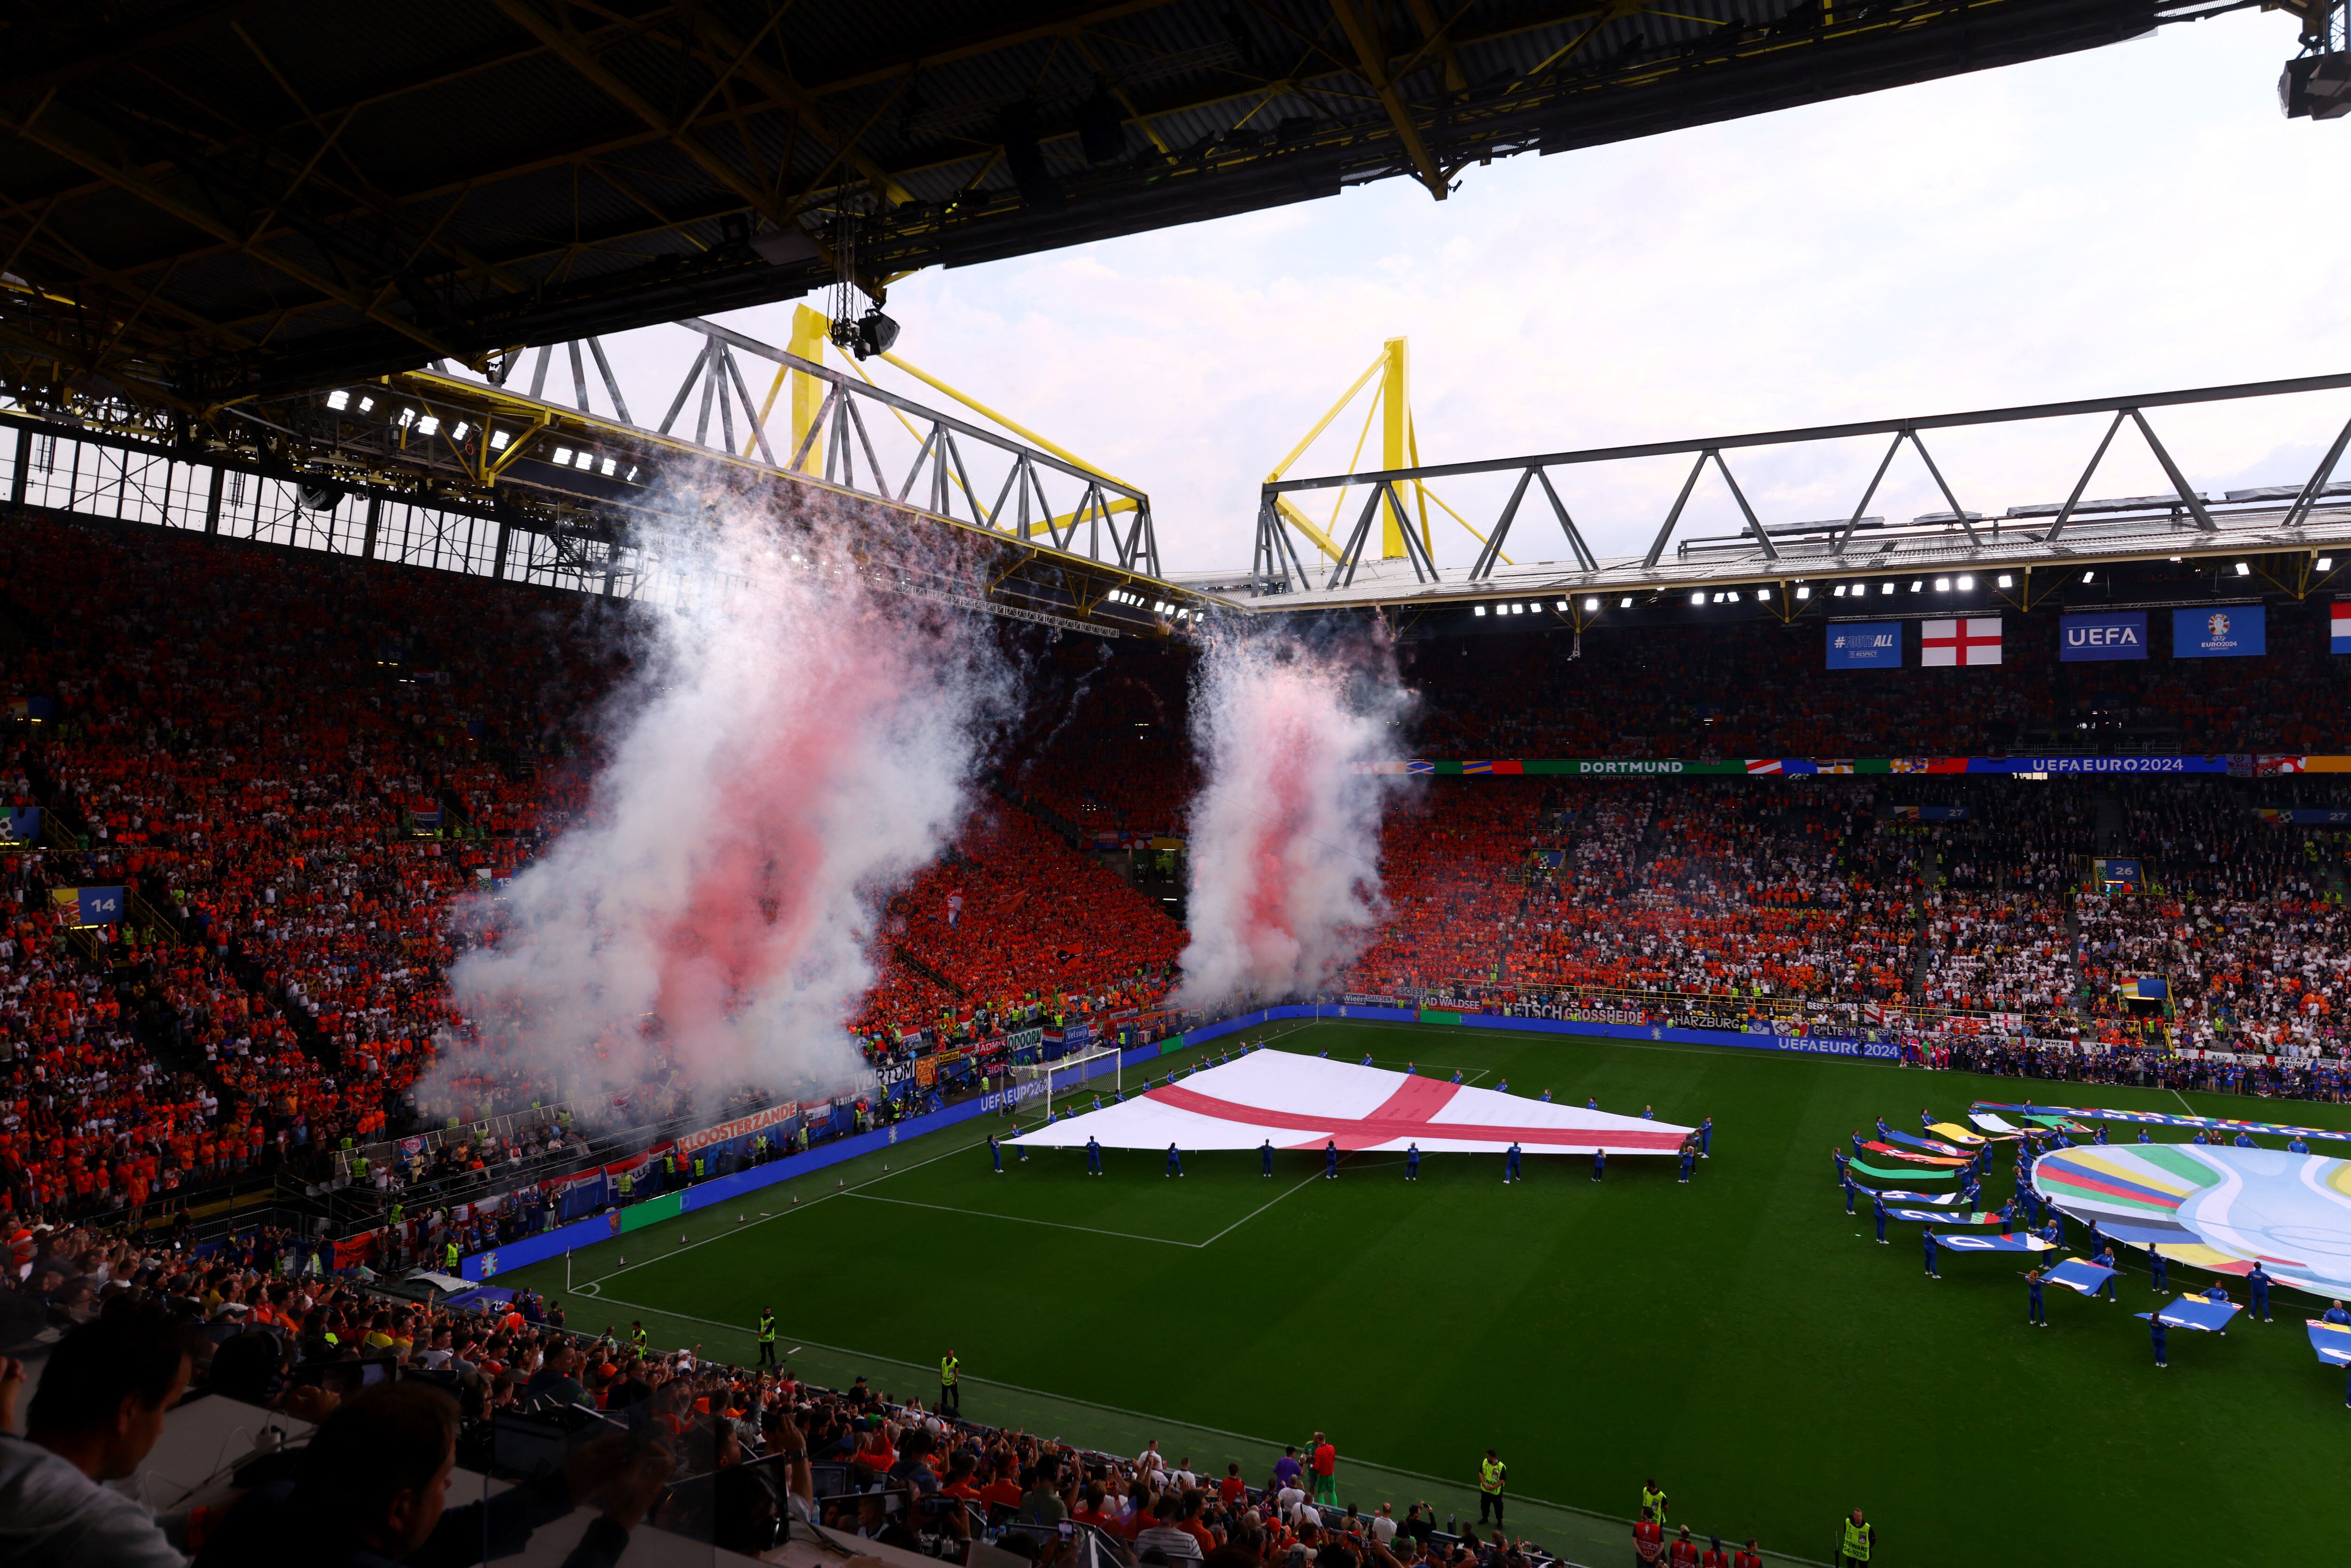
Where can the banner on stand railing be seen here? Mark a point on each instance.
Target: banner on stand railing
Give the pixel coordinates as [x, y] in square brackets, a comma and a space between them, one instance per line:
[742, 1126]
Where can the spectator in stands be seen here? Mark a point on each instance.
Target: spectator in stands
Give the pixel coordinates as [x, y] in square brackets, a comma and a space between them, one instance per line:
[98, 1409]
[373, 1489]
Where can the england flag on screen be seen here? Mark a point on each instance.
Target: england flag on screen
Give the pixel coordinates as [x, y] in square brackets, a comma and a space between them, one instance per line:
[1974, 641]
[2339, 628]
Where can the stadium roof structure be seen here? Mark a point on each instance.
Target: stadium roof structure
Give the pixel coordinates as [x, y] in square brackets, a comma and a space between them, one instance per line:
[508, 479]
[202, 200]
[2279, 533]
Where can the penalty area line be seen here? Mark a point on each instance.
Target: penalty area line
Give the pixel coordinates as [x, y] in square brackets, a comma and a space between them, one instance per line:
[753, 1224]
[1024, 1220]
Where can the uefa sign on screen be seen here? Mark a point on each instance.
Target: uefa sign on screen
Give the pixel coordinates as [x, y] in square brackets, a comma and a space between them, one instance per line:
[2107, 634]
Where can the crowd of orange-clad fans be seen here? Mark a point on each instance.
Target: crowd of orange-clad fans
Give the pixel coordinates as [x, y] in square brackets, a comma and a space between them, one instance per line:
[293, 766]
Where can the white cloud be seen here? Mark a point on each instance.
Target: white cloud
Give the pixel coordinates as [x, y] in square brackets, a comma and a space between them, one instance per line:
[2137, 218]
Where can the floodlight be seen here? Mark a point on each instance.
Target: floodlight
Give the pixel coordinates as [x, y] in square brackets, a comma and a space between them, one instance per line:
[1887, 588]
[1942, 585]
[500, 440]
[1840, 590]
[563, 456]
[339, 399]
[2244, 571]
[407, 417]
[1916, 584]
[457, 431]
[2006, 580]
[1803, 593]
[366, 404]
[1967, 585]
[611, 465]
[1481, 609]
[2089, 576]
[1588, 604]
[1626, 603]
[1734, 596]
[428, 425]
[2327, 563]
[1698, 598]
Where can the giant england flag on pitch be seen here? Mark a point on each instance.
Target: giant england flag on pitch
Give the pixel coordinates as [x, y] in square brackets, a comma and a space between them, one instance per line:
[1302, 1101]
[1969, 641]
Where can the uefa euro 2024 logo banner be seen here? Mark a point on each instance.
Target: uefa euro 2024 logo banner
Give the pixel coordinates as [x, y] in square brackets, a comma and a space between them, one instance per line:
[2218, 625]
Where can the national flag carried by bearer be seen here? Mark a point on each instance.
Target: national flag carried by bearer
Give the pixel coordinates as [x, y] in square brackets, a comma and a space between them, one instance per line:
[1296, 1101]
[2338, 627]
[1970, 641]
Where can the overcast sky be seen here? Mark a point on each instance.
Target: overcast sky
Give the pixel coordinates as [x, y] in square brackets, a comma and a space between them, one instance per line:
[2134, 219]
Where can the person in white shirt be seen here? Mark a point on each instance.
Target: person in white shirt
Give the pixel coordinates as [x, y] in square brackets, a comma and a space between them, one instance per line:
[98, 1412]
[1383, 1526]
[1289, 1500]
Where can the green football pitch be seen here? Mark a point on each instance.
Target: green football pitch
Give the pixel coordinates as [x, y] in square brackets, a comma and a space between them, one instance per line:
[1740, 1339]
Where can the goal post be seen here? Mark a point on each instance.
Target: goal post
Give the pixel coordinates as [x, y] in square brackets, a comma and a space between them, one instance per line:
[1040, 1082]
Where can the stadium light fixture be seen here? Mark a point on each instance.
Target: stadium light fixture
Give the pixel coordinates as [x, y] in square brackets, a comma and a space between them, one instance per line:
[457, 431]
[1803, 593]
[563, 456]
[1762, 593]
[610, 466]
[1967, 585]
[1887, 588]
[1840, 590]
[1734, 596]
[2327, 563]
[2090, 576]
[2006, 580]
[1698, 598]
[339, 399]
[428, 425]
[2243, 570]
[1916, 583]
[500, 441]
[1481, 609]
[407, 417]
[366, 404]
[1591, 604]
[1942, 585]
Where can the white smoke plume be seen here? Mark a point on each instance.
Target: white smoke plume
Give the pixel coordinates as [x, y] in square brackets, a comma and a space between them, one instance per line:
[794, 744]
[1284, 837]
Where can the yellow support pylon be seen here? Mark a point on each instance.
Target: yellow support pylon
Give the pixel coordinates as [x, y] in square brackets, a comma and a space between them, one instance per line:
[810, 335]
[1396, 419]
[1391, 408]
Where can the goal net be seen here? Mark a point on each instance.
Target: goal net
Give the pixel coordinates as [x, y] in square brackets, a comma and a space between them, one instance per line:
[1039, 1084]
